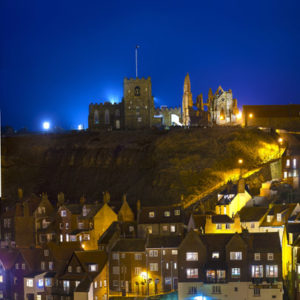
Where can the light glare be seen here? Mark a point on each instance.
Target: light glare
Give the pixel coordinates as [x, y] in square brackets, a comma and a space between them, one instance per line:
[46, 125]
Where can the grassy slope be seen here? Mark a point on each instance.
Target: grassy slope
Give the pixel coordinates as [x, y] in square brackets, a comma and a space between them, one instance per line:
[155, 167]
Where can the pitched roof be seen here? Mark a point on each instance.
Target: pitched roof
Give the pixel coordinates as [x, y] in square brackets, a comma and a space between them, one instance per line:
[252, 213]
[92, 257]
[8, 257]
[157, 241]
[33, 257]
[84, 285]
[130, 245]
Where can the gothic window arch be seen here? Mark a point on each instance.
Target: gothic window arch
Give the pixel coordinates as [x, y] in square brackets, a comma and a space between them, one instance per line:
[96, 116]
[106, 117]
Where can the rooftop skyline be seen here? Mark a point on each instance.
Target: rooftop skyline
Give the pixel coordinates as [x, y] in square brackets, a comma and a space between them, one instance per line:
[57, 58]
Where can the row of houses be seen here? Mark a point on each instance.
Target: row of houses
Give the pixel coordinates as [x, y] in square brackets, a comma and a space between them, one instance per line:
[101, 251]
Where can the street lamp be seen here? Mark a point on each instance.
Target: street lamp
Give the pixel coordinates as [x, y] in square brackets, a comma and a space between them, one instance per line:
[251, 115]
[240, 162]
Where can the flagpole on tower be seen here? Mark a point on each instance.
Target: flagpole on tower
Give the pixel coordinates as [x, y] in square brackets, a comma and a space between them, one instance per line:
[136, 60]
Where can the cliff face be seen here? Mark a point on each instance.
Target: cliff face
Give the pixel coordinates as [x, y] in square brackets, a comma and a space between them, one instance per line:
[155, 167]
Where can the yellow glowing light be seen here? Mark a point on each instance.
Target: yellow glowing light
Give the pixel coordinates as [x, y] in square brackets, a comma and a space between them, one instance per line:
[251, 115]
[239, 116]
[221, 118]
[240, 161]
[280, 140]
[82, 246]
[144, 275]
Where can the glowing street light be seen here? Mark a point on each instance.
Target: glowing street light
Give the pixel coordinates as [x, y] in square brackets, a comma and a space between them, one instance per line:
[240, 161]
[280, 140]
[239, 116]
[251, 115]
[46, 125]
[80, 127]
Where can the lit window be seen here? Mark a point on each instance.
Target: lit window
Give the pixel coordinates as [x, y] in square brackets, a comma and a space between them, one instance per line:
[164, 252]
[51, 265]
[257, 271]
[29, 282]
[95, 284]
[269, 218]
[1, 278]
[172, 228]
[175, 266]
[46, 252]
[149, 229]
[70, 269]
[153, 253]
[100, 283]
[235, 272]
[131, 228]
[219, 226]
[43, 265]
[61, 238]
[38, 297]
[215, 255]
[167, 213]
[17, 266]
[61, 225]
[298, 269]
[78, 269]
[104, 282]
[236, 255]
[153, 266]
[137, 270]
[138, 256]
[177, 212]
[270, 256]
[122, 255]
[165, 228]
[77, 283]
[63, 213]
[287, 162]
[167, 266]
[192, 256]
[228, 226]
[294, 163]
[225, 209]
[116, 270]
[174, 252]
[191, 273]
[67, 225]
[256, 256]
[151, 214]
[285, 174]
[115, 255]
[272, 271]
[48, 282]
[278, 217]
[41, 283]
[93, 268]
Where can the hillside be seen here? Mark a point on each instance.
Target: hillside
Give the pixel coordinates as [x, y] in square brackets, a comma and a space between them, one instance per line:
[153, 166]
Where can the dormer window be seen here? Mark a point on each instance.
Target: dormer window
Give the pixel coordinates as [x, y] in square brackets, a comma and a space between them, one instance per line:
[151, 214]
[167, 213]
[269, 218]
[93, 268]
[70, 269]
[278, 217]
[63, 213]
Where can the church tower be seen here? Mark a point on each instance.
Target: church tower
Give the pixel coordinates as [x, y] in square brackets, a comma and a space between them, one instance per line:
[138, 103]
[187, 101]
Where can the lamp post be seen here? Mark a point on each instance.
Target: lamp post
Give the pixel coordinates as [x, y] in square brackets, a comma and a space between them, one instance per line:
[240, 162]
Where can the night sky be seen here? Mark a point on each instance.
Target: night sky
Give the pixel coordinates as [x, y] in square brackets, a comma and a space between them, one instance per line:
[59, 56]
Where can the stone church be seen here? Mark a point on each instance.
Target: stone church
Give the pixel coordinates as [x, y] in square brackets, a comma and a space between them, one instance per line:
[136, 111]
[220, 108]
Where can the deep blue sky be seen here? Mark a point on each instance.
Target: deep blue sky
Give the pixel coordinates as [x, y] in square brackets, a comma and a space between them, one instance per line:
[58, 56]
